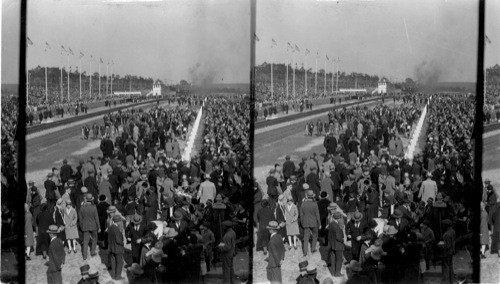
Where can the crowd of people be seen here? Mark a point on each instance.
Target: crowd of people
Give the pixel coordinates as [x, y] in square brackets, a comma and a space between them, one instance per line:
[363, 204]
[492, 103]
[9, 166]
[177, 218]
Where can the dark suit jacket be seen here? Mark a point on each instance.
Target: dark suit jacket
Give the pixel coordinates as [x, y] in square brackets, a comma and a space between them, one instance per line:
[182, 229]
[89, 219]
[288, 169]
[66, 172]
[335, 237]
[134, 235]
[57, 256]
[312, 180]
[351, 229]
[115, 240]
[309, 214]
[276, 251]
[323, 210]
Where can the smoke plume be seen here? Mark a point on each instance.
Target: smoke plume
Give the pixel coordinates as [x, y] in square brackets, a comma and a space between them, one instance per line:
[203, 73]
[428, 72]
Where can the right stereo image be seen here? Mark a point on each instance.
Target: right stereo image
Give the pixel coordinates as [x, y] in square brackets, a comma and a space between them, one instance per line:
[364, 147]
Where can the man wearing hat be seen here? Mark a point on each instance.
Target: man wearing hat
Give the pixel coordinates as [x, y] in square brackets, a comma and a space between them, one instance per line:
[57, 257]
[272, 187]
[335, 245]
[310, 221]
[89, 224]
[428, 189]
[354, 230]
[65, 172]
[302, 270]
[207, 190]
[84, 272]
[356, 273]
[400, 224]
[312, 272]
[447, 245]
[51, 194]
[288, 168]
[227, 250]
[276, 250]
[135, 231]
[115, 248]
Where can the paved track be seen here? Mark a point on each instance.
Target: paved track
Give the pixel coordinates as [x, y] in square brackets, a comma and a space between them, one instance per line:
[273, 136]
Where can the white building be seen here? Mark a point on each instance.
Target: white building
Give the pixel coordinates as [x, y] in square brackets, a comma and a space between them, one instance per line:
[382, 87]
[157, 88]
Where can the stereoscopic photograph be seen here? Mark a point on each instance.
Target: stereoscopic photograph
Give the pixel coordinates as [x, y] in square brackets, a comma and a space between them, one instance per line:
[138, 157]
[362, 152]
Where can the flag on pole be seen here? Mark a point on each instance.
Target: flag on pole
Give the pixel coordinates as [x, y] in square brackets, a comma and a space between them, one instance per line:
[63, 49]
[70, 51]
[327, 57]
[47, 46]
[317, 54]
[289, 46]
[487, 39]
[307, 51]
[101, 60]
[297, 48]
[274, 43]
[256, 37]
[28, 40]
[81, 55]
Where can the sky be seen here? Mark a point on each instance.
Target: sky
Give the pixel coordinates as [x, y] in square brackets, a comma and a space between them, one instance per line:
[170, 40]
[392, 38]
[11, 26]
[492, 30]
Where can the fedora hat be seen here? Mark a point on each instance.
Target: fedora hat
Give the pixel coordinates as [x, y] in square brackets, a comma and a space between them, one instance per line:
[303, 265]
[447, 222]
[305, 186]
[84, 189]
[355, 266]
[136, 219]
[397, 214]
[84, 269]
[89, 197]
[177, 216]
[273, 225]
[357, 216]
[310, 194]
[337, 215]
[111, 209]
[281, 197]
[136, 269]
[31, 182]
[207, 176]
[53, 229]
[227, 223]
[117, 218]
[333, 206]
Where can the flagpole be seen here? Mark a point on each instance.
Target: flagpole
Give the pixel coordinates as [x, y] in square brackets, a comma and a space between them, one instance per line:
[107, 78]
[99, 78]
[316, 78]
[293, 70]
[112, 64]
[46, 85]
[324, 83]
[90, 75]
[80, 73]
[305, 77]
[287, 79]
[272, 95]
[61, 80]
[69, 72]
[333, 72]
[338, 64]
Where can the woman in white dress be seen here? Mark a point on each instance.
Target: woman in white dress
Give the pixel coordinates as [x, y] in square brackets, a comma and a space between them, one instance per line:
[70, 226]
[292, 222]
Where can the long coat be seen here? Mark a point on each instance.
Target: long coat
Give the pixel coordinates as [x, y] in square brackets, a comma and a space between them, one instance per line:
[276, 251]
[264, 216]
[56, 254]
[292, 220]
[29, 237]
[71, 221]
[495, 239]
